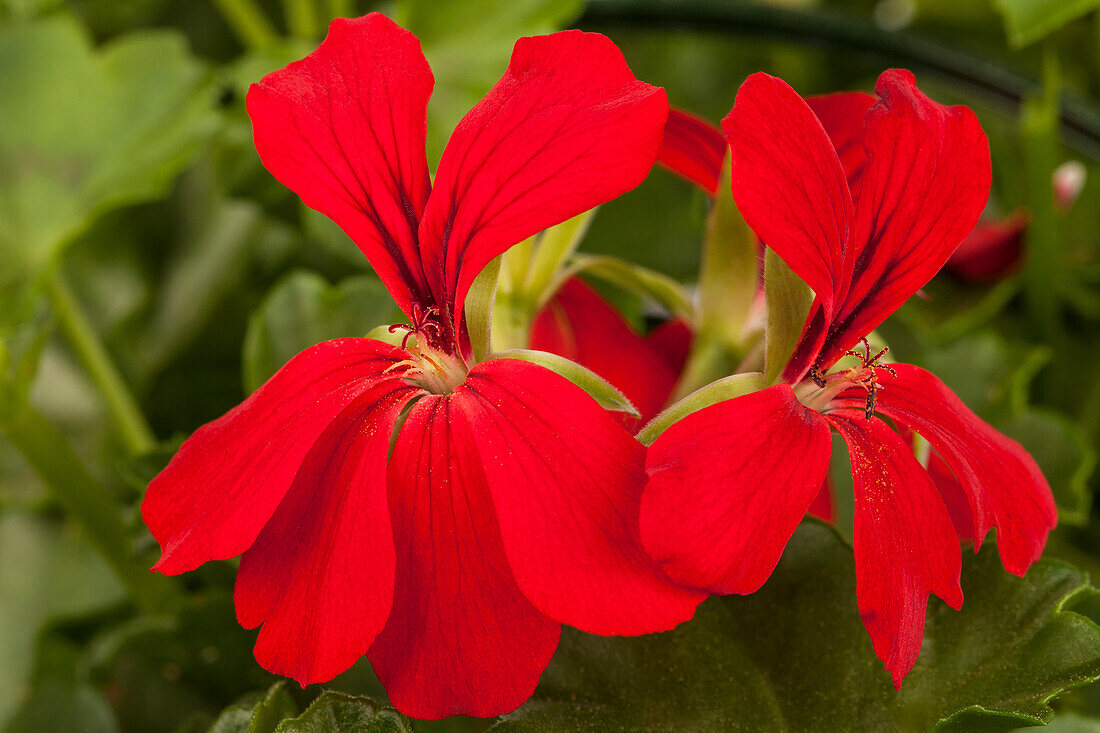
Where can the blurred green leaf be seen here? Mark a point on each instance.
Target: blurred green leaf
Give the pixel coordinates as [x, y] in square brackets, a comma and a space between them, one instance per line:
[336, 712]
[46, 573]
[163, 668]
[657, 286]
[1026, 21]
[1062, 451]
[468, 43]
[84, 130]
[795, 656]
[257, 713]
[62, 699]
[304, 310]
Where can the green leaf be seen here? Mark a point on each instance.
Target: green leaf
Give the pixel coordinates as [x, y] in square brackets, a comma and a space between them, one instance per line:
[795, 656]
[596, 386]
[634, 278]
[303, 310]
[257, 713]
[84, 130]
[60, 697]
[479, 309]
[337, 712]
[788, 302]
[1063, 453]
[1026, 21]
[724, 389]
[468, 43]
[45, 574]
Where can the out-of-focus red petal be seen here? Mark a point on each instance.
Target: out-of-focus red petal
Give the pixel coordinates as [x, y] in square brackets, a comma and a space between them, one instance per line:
[842, 117]
[991, 252]
[926, 182]
[223, 485]
[727, 487]
[905, 546]
[567, 128]
[580, 325]
[320, 576]
[672, 341]
[822, 506]
[693, 149]
[788, 182]
[344, 128]
[461, 639]
[566, 480]
[1005, 487]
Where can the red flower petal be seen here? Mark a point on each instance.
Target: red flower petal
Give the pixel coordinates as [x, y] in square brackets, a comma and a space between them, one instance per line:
[822, 506]
[991, 252]
[461, 639]
[693, 149]
[954, 496]
[727, 487]
[344, 128]
[905, 546]
[672, 342]
[788, 182]
[842, 117]
[223, 485]
[320, 576]
[566, 481]
[1005, 487]
[567, 128]
[580, 325]
[924, 187]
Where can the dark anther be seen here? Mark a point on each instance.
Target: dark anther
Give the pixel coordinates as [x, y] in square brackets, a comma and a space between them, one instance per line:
[423, 323]
[815, 374]
[869, 379]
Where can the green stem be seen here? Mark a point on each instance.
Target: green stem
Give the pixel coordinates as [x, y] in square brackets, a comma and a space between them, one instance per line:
[1039, 144]
[88, 501]
[248, 22]
[301, 18]
[127, 416]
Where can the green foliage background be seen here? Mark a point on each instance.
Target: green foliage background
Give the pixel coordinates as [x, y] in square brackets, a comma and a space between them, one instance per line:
[151, 273]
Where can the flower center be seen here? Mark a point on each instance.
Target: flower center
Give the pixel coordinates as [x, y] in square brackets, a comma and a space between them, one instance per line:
[428, 365]
[819, 391]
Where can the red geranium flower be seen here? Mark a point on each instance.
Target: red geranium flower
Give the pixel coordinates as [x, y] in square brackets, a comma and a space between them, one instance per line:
[508, 503]
[729, 484]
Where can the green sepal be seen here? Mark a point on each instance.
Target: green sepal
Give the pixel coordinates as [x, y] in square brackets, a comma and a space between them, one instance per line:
[479, 309]
[788, 300]
[634, 278]
[728, 388]
[596, 386]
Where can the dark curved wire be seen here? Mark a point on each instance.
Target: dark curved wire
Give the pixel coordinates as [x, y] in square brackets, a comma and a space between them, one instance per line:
[1003, 87]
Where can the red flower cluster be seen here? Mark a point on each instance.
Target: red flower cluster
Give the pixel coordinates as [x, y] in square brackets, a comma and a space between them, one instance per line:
[442, 519]
[865, 225]
[445, 517]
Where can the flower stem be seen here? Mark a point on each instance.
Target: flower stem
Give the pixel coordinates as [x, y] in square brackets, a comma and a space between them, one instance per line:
[88, 501]
[248, 22]
[127, 416]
